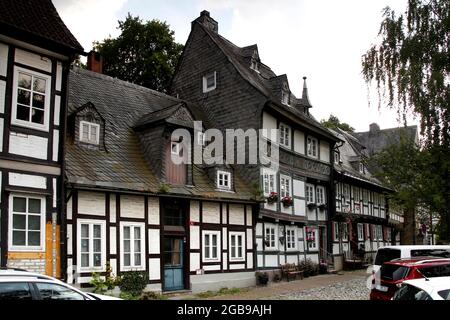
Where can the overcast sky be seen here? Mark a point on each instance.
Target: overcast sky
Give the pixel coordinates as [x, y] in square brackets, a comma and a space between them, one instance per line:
[321, 39]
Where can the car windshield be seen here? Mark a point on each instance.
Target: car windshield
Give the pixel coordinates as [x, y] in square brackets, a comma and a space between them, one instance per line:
[384, 255]
[436, 271]
[445, 294]
[393, 272]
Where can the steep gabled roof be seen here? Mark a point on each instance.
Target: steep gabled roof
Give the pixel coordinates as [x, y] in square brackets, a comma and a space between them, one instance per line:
[36, 21]
[123, 166]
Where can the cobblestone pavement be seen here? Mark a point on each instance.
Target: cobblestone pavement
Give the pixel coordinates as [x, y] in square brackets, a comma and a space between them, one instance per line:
[355, 289]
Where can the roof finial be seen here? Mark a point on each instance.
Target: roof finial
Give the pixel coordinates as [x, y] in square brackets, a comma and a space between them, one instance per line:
[305, 98]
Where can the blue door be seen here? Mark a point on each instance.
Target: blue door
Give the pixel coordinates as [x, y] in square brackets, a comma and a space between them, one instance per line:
[173, 264]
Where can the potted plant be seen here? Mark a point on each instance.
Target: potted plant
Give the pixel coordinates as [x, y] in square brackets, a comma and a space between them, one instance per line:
[322, 206]
[262, 278]
[287, 201]
[272, 198]
[311, 205]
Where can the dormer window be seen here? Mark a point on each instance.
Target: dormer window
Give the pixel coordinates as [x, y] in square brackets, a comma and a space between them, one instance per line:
[361, 168]
[285, 97]
[312, 147]
[89, 132]
[337, 157]
[209, 82]
[254, 65]
[223, 180]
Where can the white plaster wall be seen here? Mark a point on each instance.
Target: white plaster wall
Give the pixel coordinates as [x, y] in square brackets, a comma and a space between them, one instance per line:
[299, 207]
[153, 210]
[322, 215]
[324, 151]
[154, 268]
[270, 206]
[224, 261]
[69, 239]
[287, 210]
[194, 211]
[282, 259]
[2, 96]
[113, 264]
[112, 240]
[57, 113]
[153, 241]
[270, 123]
[54, 192]
[336, 248]
[211, 212]
[194, 237]
[112, 208]
[314, 257]
[224, 239]
[194, 261]
[236, 214]
[299, 142]
[311, 214]
[212, 267]
[55, 145]
[132, 206]
[259, 261]
[258, 229]
[33, 60]
[28, 145]
[292, 259]
[249, 216]
[249, 239]
[299, 188]
[224, 213]
[91, 203]
[3, 59]
[27, 180]
[237, 266]
[58, 75]
[271, 261]
[249, 260]
[69, 209]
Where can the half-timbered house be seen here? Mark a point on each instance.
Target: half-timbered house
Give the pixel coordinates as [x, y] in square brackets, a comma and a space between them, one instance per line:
[129, 205]
[236, 90]
[36, 50]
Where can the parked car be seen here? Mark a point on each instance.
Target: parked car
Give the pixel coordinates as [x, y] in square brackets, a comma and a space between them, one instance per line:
[424, 289]
[393, 273]
[17, 284]
[388, 253]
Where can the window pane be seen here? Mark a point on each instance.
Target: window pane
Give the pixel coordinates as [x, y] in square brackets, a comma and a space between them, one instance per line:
[210, 81]
[85, 132]
[23, 113]
[38, 101]
[34, 238]
[214, 240]
[97, 231]
[126, 232]
[23, 97]
[37, 116]
[97, 260]
[233, 251]
[126, 246]
[85, 260]
[84, 231]
[137, 232]
[39, 85]
[137, 245]
[15, 291]
[34, 223]
[97, 245]
[126, 260]
[19, 221]
[24, 81]
[19, 238]
[207, 240]
[51, 291]
[19, 204]
[34, 205]
[84, 245]
[94, 133]
[137, 259]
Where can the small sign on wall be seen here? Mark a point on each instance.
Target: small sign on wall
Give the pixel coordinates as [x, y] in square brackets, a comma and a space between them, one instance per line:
[200, 271]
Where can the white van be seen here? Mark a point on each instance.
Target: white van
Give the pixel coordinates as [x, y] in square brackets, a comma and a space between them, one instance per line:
[388, 253]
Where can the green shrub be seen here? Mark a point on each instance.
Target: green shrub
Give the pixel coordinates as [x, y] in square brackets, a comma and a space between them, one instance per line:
[133, 282]
[150, 295]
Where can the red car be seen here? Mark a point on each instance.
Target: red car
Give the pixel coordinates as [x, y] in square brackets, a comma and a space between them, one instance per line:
[394, 272]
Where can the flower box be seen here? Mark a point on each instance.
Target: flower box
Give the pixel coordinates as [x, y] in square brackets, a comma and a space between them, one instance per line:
[272, 198]
[287, 201]
[322, 206]
[311, 205]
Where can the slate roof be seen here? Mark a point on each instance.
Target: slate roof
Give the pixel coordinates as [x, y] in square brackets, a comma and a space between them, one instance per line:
[123, 165]
[36, 19]
[352, 151]
[376, 140]
[266, 81]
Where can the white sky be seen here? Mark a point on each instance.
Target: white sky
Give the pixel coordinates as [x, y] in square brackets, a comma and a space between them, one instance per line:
[321, 39]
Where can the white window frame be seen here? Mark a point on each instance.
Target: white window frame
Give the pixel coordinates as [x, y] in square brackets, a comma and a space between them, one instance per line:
[335, 231]
[291, 238]
[285, 135]
[25, 247]
[254, 65]
[361, 168]
[269, 181]
[360, 229]
[285, 186]
[237, 234]
[337, 157]
[285, 97]
[380, 232]
[275, 237]
[29, 124]
[223, 186]
[320, 189]
[91, 223]
[345, 231]
[133, 265]
[310, 195]
[205, 82]
[91, 125]
[310, 149]
[315, 246]
[209, 233]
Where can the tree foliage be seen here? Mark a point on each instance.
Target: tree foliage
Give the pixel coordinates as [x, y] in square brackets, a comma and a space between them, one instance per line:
[333, 123]
[411, 65]
[145, 53]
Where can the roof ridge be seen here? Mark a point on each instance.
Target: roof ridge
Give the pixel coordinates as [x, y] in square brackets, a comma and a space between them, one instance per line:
[124, 83]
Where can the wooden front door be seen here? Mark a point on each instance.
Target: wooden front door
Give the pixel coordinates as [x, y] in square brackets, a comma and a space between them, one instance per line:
[173, 264]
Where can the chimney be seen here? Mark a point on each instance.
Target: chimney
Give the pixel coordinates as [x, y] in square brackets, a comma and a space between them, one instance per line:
[374, 128]
[95, 61]
[207, 21]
